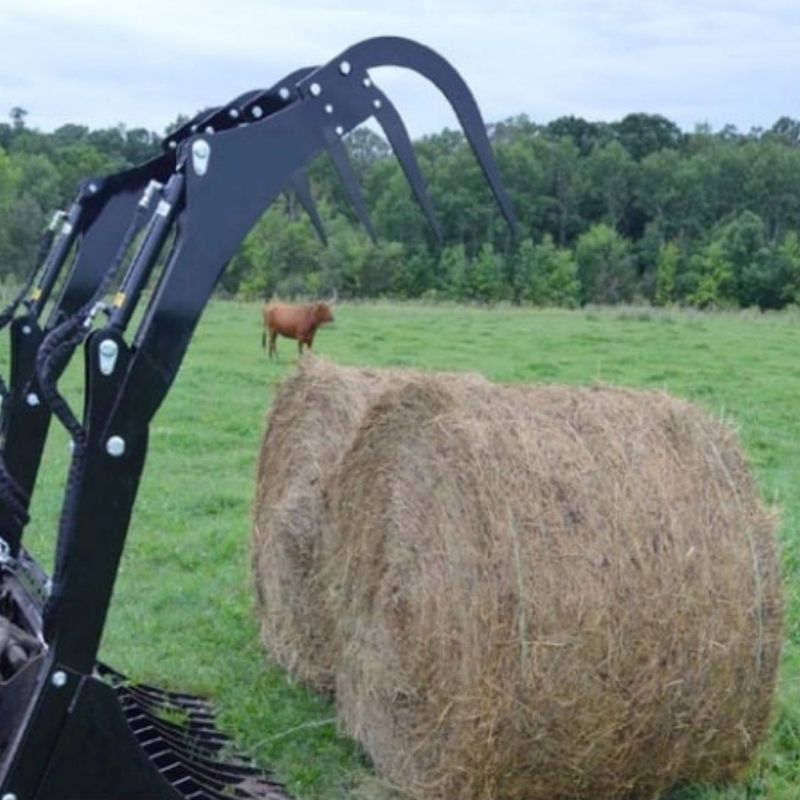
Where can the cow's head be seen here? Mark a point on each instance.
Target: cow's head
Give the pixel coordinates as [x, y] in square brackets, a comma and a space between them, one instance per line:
[322, 313]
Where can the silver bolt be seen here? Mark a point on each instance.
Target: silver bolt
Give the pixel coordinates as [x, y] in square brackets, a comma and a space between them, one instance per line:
[233, 113]
[201, 153]
[344, 67]
[9, 796]
[193, 129]
[367, 83]
[377, 103]
[32, 399]
[71, 446]
[26, 329]
[329, 109]
[115, 446]
[92, 187]
[339, 130]
[285, 94]
[108, 350]
[209, 129]
[173, 145]
[315, 89]
[59, 679]
[257, 112]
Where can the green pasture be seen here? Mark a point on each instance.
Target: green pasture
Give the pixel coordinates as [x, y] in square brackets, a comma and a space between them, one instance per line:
[182, 613]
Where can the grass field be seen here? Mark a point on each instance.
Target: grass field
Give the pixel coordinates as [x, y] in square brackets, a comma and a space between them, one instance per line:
[182, 613]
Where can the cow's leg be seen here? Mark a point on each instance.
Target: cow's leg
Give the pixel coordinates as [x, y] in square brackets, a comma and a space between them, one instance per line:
[273, 335]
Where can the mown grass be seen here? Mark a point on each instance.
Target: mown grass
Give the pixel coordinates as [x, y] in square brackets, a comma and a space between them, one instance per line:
[182, 612]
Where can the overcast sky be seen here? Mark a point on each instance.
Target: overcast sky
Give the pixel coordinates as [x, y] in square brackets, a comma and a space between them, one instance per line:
[142, 62]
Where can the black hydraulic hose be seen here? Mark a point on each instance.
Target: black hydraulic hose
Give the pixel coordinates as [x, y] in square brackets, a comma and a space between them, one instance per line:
[58, 346]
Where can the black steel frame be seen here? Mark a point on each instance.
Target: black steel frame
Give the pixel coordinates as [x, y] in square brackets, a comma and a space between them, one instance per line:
[68, 729]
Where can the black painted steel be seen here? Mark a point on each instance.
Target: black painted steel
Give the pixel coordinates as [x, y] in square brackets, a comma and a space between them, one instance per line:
[72, 730]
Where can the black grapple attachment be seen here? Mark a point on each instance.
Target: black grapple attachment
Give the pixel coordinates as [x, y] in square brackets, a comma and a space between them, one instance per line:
[71, 729]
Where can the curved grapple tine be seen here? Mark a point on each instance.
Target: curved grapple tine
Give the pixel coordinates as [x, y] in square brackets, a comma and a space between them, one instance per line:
[397, 134]
[302, 189]
[394, 51]
[341, 160]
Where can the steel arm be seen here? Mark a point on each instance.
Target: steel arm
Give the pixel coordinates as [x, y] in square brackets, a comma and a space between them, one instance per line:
[97, 221]
[221, 186]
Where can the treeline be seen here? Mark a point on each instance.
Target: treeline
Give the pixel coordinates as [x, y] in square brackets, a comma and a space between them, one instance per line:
[632, 211]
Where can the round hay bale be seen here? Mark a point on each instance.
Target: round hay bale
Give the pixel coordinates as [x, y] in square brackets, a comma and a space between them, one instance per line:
[551, 593]
[312, 421]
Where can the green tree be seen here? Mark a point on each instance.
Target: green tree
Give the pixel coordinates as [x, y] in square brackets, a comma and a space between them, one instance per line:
[18, 115]
[743, 244]
[605, 266]
[585, 135]
[454, 268]
[642, 134]
[486, 277]
[789, 257]
[666, 274]
[546, 275]
[9, 181]
[715, 283]
[608, 181]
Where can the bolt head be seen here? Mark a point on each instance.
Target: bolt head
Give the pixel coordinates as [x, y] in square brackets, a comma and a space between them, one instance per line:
[9, 796]
[367, 83]
[315, 89]
[345, 67]
[257, 112]
[339, 130]
[201, 153]
[92, 188]
[377, 103]
[115, 446]
[285, 94]
[59, 679]
[32, 399]
[209, 129]
[329, 109]
[233, 113]
[26, 329]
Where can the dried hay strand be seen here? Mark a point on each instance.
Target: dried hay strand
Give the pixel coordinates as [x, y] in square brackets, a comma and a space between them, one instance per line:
[551, 593]
[314, 416]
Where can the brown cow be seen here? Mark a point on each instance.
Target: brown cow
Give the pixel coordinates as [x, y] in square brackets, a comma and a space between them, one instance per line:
[293, 322]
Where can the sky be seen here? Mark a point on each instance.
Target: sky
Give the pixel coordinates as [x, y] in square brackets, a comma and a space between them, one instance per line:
[143, 62]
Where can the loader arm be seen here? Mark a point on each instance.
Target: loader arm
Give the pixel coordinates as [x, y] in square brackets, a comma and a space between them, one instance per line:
[97, 220]
[56, 703]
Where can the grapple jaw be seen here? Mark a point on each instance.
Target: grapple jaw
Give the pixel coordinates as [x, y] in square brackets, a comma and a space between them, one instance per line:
[71, 729]
[394, 51]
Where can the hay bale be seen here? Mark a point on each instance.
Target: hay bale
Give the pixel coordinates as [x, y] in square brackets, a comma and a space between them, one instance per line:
[551, 593]
[312, 421]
